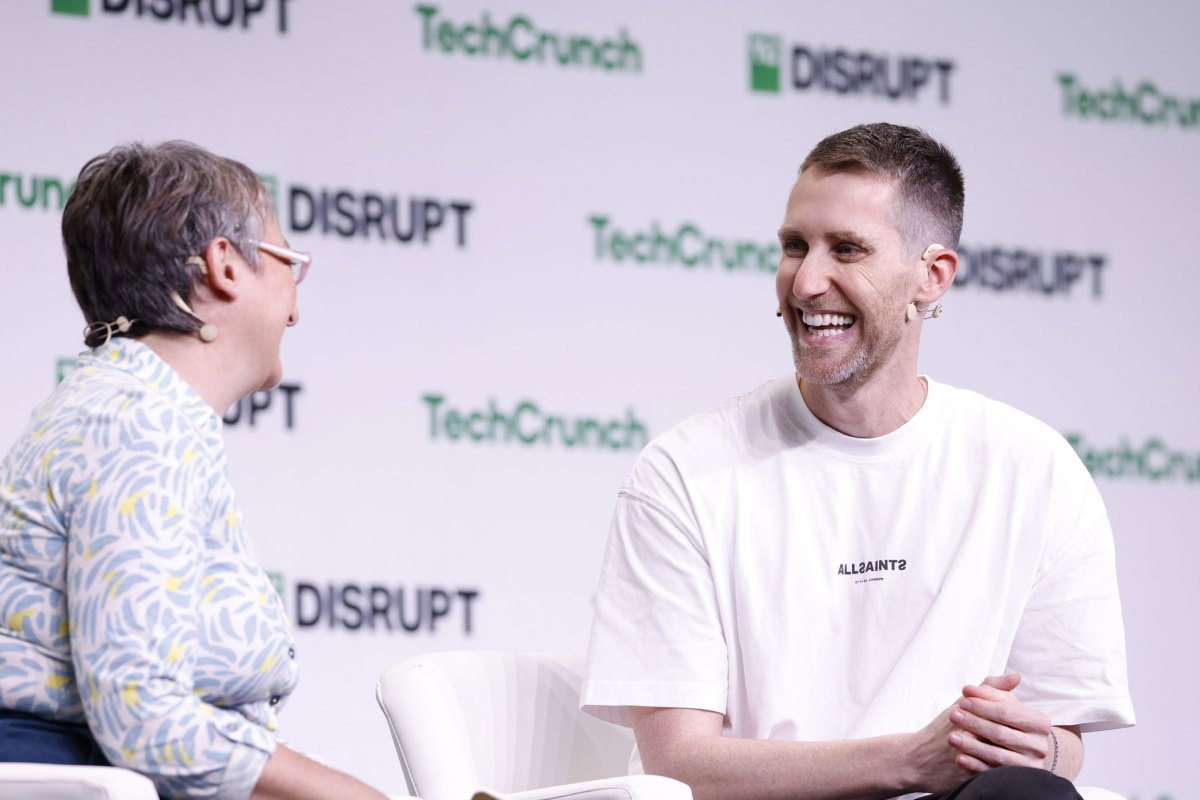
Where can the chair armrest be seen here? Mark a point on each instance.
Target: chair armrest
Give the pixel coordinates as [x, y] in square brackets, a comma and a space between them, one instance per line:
[60, 782]
[1096, 793]
[630, 787]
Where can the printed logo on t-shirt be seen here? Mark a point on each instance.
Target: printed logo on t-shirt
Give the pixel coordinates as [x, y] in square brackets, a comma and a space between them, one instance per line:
[864, 571]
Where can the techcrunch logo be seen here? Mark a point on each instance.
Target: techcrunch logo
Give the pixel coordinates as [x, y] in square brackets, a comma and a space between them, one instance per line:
[518, 38]
[221, 13]
[370, 214]
[845, 72]
[1152, 460]
[686, 244]
[1146, 104]
[526, 424]
[34, 191]
[1017, 269]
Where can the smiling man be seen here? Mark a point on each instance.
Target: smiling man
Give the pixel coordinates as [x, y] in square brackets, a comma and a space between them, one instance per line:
[855, 581]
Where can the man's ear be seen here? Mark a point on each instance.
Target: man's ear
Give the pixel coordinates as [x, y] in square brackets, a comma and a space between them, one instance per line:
[226, 268]
[940, 268]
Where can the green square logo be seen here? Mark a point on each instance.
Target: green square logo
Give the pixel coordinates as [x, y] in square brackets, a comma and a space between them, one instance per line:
[272, 184]
[76, 8]
[276, 579]
[766, 62]
[62, 366]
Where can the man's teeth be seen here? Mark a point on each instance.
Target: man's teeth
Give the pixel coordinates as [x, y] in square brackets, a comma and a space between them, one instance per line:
[822, 320]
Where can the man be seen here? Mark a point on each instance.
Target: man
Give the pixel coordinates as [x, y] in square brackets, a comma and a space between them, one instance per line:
[858, 582]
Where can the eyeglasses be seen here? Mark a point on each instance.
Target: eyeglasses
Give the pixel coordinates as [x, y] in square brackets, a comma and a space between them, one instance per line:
[299, 262]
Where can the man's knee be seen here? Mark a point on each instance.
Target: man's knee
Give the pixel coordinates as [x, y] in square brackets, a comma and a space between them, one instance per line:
[1018, 783]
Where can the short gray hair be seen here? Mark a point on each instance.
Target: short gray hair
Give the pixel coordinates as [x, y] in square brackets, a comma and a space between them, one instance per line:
[136, 215]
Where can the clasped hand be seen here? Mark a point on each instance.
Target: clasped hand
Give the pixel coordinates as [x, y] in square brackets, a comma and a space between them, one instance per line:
[987, 727]
[995, 729]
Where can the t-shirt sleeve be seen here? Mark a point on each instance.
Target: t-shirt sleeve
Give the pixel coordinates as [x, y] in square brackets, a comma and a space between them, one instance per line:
[657, 638]
[1070, 643]
[134, 504]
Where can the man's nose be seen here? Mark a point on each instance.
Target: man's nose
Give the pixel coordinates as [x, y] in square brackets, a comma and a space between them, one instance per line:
[812, 276]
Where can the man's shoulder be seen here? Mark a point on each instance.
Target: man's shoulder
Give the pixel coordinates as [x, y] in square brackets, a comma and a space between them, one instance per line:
[727, 422]
[722, 434]
[995, 425]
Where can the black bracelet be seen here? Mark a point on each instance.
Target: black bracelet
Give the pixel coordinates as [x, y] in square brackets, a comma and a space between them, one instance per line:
[1054, 762]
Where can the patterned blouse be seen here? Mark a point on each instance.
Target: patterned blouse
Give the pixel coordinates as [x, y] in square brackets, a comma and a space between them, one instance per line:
[129, 595]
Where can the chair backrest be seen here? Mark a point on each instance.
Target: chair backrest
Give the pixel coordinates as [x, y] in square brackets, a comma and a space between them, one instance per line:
[508, 721]
[57, 782]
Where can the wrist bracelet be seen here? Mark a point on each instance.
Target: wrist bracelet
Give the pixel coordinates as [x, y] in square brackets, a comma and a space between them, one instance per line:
[1054, 762]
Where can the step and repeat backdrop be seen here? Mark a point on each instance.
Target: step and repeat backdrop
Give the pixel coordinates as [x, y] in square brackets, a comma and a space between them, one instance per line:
[544, 232]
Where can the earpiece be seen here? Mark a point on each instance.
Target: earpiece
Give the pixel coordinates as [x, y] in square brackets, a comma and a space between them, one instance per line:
[933, 248]
[911, 312]
[208, 331]
[121, 324]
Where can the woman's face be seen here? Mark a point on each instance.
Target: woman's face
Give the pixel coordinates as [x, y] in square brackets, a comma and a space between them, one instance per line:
[274, 305]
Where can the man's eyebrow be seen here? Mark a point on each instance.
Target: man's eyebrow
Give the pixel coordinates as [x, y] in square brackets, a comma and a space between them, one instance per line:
[788, 232]
[851, 235]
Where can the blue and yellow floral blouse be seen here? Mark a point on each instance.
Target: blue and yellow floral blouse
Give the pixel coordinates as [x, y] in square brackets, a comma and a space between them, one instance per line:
[129, 594]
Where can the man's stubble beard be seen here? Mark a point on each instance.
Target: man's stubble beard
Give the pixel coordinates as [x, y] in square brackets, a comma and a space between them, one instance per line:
[854, 370]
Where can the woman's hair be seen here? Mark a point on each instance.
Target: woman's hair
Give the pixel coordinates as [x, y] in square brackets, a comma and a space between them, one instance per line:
[137, 214]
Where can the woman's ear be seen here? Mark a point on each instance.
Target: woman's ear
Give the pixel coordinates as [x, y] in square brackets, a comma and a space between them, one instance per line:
[225, 268]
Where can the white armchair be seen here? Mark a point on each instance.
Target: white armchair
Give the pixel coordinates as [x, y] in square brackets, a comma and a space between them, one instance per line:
[507, 723]
[56, 782]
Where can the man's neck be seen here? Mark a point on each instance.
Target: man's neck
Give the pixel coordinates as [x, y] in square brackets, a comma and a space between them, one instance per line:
[867, 410]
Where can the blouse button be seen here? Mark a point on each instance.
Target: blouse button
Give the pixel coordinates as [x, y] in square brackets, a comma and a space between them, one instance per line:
[274, 699]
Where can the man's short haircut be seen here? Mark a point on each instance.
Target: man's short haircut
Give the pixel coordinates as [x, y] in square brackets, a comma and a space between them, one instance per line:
[136, 215]
[927, 176]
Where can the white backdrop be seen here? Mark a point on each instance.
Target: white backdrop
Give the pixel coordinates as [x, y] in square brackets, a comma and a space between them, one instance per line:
[519, 301]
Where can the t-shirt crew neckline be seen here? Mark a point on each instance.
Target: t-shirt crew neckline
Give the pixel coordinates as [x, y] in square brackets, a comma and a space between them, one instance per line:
[899, 442]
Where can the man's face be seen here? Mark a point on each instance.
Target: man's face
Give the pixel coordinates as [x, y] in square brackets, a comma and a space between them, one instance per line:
[845, 277]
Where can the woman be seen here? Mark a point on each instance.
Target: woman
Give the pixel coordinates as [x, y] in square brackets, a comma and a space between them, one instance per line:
[136, 627]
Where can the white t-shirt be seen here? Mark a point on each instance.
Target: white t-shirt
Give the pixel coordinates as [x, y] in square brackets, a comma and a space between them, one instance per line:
[813, 586]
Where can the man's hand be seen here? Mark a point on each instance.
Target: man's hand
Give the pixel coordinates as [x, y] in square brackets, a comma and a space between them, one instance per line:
[996, 729]
[935, 762]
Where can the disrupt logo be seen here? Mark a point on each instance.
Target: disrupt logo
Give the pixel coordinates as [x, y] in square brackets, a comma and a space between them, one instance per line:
[526, 424]
[1152, 460]
[222, 13]
[844, 71]
[34, 191]
[686, 244]
[520, 39]
[348, 214]
[245, 412]
[1016, 269]
[377, 607]
[1146, 104]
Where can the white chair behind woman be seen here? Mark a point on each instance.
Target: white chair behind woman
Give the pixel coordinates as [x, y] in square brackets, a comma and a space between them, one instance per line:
[510, 723]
